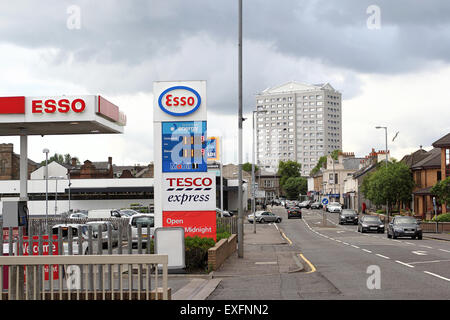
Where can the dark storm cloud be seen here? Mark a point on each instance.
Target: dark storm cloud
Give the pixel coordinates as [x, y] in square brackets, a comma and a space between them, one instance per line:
[125, 45]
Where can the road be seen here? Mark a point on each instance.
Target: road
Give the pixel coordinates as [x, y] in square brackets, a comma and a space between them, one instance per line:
[351, 265]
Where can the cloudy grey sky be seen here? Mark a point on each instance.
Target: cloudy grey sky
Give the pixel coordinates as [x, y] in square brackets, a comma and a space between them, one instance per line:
[395, 75]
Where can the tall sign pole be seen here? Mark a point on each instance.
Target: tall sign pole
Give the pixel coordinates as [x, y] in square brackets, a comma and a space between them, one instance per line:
[240, 196]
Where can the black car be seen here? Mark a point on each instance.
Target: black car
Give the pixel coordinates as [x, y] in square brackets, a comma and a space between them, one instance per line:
[370, 223]
[316, 205]
[404, 227]
[348, 216]
[294, 213]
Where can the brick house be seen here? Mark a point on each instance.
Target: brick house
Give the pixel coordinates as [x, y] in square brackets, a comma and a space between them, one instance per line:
[444, 145]
[10, 163]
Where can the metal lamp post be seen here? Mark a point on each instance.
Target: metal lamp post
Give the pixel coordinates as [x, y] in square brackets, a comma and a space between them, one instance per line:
[385, 131]
[56, 190]
[46, 151]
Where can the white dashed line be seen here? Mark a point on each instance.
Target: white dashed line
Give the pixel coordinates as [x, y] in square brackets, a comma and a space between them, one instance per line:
[365, 250]
[444, 250]
[426, 247]
[405, 264]
[355, 246]
[380, 255]
[436, 275]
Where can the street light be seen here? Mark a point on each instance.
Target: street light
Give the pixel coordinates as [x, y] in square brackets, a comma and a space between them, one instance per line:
[253, 169]
[46, 151]
[385, 132]
[56, 178]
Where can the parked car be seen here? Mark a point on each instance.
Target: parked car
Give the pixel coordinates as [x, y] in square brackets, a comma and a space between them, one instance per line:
[403, 226]
[294, 213]
[305, 204]
[264, 216]
[78, 215]
[348, 216]
[334, 207]
[223, 213]
[316, 205]
[102, 226]
[370, 223]
[145, 220]
[104, 213]
[78, 230]
[126, 213]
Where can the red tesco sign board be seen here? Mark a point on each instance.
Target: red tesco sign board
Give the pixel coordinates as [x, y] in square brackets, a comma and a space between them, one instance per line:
[195, 223]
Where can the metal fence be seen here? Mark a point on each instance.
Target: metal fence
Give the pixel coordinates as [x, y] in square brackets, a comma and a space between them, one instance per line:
[228, 224]
[98, 254]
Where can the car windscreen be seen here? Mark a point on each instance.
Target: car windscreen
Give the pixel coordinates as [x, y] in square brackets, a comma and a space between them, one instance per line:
[348, 213]
[372, 219]
[405, 220]
[143, 221]
[65, 232]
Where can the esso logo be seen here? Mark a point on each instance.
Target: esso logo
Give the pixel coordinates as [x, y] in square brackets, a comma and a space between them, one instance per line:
[179, 100]
[190, 182]
[57, 106]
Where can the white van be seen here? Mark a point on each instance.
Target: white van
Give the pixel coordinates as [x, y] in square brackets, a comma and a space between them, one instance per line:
[104, 213]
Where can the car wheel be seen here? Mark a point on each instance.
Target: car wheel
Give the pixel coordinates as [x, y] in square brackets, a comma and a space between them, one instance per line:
[388, 235]
[413, 238]
[394, 236]
[419, 237]
[278, 220]
[362, 230]
[262, 221]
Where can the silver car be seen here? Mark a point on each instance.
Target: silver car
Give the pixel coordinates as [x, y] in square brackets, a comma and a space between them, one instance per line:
[264, 216]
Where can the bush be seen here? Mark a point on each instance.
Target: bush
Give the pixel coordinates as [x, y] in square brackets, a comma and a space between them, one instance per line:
[196, 253]
[223, 235]
[443, 217]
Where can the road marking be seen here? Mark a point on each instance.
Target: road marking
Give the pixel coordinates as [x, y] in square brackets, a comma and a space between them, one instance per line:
[380, 255]
[405, 264]
[355, 246]
[409, 243]
[266, 262]
[432, 261]
[311, 266]
[284, 236]
[436, 275]
[426, 247]
[444, 250]
[368, 251]
[420, 253]
[347, 244]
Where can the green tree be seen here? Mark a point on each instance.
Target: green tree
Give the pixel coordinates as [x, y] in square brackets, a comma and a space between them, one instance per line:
[392, 184]
[248, 167]
[294, 186]
[442, 191]
[61, 159]
[322, 161]
[288, 169]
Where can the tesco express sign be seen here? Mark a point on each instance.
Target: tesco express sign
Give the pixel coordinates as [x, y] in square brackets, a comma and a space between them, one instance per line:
[179, 100]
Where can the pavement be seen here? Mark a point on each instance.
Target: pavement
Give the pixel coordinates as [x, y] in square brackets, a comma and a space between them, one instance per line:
[437, 236]
[267, 255]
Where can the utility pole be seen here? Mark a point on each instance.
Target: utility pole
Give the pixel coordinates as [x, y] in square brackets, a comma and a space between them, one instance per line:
[240, 207]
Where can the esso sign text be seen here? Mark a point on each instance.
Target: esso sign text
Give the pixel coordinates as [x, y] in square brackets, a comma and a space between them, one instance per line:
[189, 182]
[179, 100]
[57, 106]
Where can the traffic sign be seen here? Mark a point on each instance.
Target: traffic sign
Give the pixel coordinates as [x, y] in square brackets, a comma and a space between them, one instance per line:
[324, 201]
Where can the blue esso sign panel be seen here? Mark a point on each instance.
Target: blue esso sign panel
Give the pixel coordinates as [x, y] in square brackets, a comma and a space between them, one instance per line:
[179, 100]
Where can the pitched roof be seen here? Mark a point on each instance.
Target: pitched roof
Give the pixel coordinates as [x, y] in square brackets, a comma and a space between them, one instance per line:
[413, 158]
[432, 160]
[442, 142]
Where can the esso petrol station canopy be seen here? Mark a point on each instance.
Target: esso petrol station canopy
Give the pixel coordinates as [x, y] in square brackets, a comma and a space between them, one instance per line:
[57, 115]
